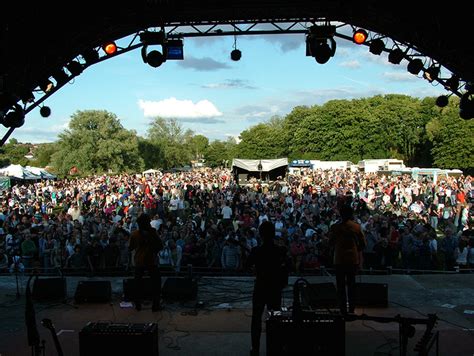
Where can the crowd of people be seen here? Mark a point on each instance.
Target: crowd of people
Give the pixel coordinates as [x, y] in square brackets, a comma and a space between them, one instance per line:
[204, 218]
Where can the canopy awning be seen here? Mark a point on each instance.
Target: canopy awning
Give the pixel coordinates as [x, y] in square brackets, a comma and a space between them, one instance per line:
[252, 165]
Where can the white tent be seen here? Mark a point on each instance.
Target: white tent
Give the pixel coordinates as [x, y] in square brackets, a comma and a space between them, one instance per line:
[151, 171]
[43, 173]
[18, 172]
[252, 165]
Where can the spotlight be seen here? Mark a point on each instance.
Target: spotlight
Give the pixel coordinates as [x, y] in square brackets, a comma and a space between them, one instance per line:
[60, 76]
[235, 55]
[154, 58]
[415, 66]
[75, 68]
[14, 118]
[442, 101]
[377, 46]
[359, 36]
[469, 87]
[45, 111]
[396, 56]
[110, 48]
[431, 73]
[452, 83]
[27, 97]
[317, 43]
[46, 85]
[466, 107]
[91, 56]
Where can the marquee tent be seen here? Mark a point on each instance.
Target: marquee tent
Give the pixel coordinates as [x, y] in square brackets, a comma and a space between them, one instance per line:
[16, 171]
[264, 169]
[43, 173]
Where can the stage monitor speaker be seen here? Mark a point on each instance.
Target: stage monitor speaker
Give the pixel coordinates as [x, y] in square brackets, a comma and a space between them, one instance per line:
[49, 289]
[319, 296]
[93, 292]
[118, 339]
[371, 295]
[130, 289]
[316, 334]
[179, 289]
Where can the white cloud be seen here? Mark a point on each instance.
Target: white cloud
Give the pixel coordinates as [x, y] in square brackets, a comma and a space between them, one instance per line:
[179, 109]
[354, 64]
[399, 76]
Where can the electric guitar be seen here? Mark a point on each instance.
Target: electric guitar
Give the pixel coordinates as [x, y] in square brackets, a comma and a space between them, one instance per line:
[48, 324]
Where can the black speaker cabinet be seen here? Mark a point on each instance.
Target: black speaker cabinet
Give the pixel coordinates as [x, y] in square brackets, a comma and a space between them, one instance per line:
[319, 295]
[371, 295]
[130, 289]
[49, 289]
[93, 292]
[316, 334]
[118, 339]
[179, 289]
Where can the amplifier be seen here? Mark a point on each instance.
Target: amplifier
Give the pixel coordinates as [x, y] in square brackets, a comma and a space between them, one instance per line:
[314, 334]
[119, 339]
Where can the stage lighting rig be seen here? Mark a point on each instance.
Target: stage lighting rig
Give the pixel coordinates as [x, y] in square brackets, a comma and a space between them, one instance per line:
[317, 45]
[15, 117]
[396, 56]
[377, 46]
[415, 66]
[432, 73]
[45, 111]
[360, 36]
[110, 48]
[153, 58]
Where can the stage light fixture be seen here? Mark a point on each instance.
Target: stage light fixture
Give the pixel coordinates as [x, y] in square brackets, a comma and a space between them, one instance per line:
[14, 118]
[45, 111]
[442, 101]
[469, 87]
[235, 55]
[174, 49]
[60, 76]
[452, 83]
[91, 56]
[466, 107]
[377, 46]
[396, 56]
[154, 58]
[432, 73]
[152, 38]
[317, 43]
[27, 97]
[110, 48]
[359, 36]
[415, 66]
[75, 68]
[46, 85]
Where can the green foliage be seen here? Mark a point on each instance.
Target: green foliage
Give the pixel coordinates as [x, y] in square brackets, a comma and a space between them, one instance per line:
[43, 154]
[14, 153]
[220, 153]
[174, 145]
[95, 143]
[390, 126]
[452, 137]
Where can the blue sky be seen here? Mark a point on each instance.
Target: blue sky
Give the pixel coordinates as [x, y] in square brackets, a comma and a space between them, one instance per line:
[217, 97]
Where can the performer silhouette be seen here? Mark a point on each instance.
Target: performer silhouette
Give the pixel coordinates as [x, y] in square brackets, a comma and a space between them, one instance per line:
[348, 241]
[271, 268]
[146, 244]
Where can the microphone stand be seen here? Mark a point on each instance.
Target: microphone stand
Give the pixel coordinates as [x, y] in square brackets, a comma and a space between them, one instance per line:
[37, 347]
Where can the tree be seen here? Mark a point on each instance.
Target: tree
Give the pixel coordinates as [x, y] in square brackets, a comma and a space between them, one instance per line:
[220, 153]
[198, 145]
[96, 142]
[452, 138]
[43, 154]
[14, 153]
[172, 141]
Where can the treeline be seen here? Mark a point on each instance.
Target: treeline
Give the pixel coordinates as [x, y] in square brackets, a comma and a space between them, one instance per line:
[390, 126]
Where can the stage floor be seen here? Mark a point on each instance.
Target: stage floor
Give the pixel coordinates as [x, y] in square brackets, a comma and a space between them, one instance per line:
[222, 325]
